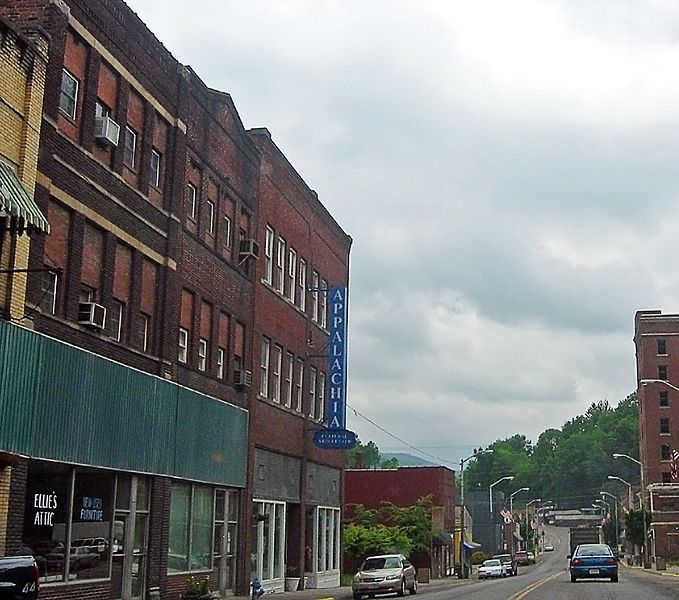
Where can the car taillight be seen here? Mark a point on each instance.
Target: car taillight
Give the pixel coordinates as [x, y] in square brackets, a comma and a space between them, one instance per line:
[36, 577]
[576, 561]
[610, 561]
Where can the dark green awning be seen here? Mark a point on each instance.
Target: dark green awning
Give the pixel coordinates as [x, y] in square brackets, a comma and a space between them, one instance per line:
[15, 202]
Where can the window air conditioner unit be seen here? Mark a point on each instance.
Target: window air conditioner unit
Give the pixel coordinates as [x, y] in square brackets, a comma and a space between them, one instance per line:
[106, 130]
[92, 314]
[248, 248]
[243, 378]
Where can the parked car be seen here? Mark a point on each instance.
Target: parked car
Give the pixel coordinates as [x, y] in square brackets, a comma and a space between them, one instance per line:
[549, 548]
[383, 574]
[18, 578]
[593, 561]
[522, 558]
[510, 563]
[493, 567]
[531, 558]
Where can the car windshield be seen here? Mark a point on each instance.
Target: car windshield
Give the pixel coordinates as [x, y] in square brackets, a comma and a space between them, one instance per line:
[594, 550]
[381, 562]
[491, 563]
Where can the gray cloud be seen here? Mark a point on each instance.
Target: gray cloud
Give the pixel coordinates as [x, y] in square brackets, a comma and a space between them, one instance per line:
[506, 171]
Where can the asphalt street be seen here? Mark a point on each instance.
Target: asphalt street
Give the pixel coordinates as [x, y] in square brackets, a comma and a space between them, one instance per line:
[546, 580]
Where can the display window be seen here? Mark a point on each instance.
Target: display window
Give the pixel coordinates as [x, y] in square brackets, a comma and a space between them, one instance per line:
[68, 513]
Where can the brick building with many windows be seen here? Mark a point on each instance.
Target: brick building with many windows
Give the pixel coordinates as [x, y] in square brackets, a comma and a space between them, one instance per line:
[138, 446]
[656, 338]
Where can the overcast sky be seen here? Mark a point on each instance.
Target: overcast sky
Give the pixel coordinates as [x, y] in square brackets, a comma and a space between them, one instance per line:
[508, 172]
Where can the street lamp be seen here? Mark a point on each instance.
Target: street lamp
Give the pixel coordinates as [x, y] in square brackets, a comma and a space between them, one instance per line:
[492, 485]
[464, 460]
[629, 489]
[663, 381]
[511, 499]
[527, 525]
[642, 495]
[617, 526]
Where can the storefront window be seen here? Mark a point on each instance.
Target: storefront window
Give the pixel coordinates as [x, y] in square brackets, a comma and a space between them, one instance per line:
[191, 511]
[201, 528]
[327, 539]
[68, 508]
[91, 523]
[269, 532]
[178, 557]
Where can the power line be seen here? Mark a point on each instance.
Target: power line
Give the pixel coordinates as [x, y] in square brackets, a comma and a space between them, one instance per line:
[398, 439]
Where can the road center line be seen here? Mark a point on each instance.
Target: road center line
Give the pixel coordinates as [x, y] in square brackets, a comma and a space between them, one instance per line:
[533, 586]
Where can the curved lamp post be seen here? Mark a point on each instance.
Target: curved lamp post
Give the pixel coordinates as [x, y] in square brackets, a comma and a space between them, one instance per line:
[642, 495]
[492, 485]
[462, 527]
[511, 499]
[629, 489]
[617, 525]
[527, 524]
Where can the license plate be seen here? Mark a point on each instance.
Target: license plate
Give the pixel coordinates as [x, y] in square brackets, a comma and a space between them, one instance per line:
[594, 571]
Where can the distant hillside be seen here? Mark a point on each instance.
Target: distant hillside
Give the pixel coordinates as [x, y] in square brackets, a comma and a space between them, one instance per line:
[406, 460]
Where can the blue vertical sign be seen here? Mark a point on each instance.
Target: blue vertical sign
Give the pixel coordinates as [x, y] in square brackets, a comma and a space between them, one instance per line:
[337, 359]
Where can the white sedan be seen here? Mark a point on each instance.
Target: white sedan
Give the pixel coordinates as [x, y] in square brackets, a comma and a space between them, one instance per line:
[492, 567]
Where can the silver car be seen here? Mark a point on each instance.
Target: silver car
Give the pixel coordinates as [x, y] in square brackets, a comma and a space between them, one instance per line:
[384, 574]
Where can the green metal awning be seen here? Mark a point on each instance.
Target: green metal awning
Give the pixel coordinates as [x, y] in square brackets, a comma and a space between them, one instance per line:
[15, 203]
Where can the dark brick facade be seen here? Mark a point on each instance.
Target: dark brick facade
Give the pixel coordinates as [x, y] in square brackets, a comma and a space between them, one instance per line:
[141, 246]
[656, 338]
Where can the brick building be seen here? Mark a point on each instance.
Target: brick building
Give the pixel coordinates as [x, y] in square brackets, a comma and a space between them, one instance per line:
[297, 485]
[135, 434]
[656, 338]
[404, 486]
[23, 62]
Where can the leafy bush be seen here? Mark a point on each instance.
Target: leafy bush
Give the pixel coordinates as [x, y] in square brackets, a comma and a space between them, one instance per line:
[479, 556]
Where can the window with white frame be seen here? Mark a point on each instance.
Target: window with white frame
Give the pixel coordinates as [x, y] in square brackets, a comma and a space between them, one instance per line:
[68, 99]
[276, 366]
[280, 265]
[264, 367]
[144, 321]
[191, 195]
[210, 217]
[327, 536]
[114, 320]
[313, 376]
[268, 255]
[48, 299]
[130, 148]
[221, 353]
[302, 285]
[202, 354]
[269, 540]
[227, 231]
[183, 354]
[314, 296]
[323, 316]
[320, 413]
[300, 385]
[289, 374]
[292, 274]
[156, 158]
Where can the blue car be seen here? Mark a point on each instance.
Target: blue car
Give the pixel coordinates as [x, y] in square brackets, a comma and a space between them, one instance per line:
[593, 561]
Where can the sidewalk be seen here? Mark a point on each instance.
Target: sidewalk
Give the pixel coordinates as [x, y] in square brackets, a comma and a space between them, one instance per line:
[344, 593]
[670, 571]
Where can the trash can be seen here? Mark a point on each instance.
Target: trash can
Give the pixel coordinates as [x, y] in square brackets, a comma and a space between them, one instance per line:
[423, 575]
[660, 563]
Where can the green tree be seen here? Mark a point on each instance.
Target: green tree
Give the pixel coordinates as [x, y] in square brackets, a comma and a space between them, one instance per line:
[361, 541]
[367, 455]
[634, 525]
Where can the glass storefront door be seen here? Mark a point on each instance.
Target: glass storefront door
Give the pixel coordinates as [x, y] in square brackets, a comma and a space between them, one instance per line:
[130, 537]
[226, 525]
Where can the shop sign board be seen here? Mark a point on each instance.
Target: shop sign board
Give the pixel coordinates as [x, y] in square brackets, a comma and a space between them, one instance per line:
[335, 439]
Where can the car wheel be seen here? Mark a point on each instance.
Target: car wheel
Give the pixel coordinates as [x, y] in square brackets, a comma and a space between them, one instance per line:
[413, 588]
[402, 588]
[614, 578]
[357, 596]
[573, 578]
